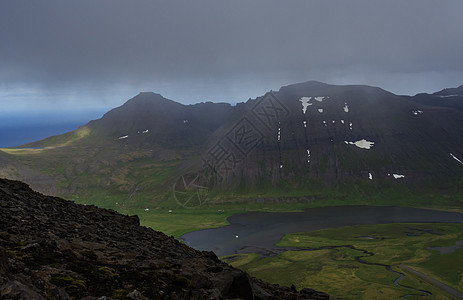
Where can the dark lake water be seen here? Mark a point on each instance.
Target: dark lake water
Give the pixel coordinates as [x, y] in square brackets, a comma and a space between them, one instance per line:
[259, 232]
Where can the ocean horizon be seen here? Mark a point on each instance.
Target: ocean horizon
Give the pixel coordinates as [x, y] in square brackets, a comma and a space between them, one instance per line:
[20, 128]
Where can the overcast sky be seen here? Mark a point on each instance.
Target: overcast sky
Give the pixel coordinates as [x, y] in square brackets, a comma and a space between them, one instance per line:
[58, 54]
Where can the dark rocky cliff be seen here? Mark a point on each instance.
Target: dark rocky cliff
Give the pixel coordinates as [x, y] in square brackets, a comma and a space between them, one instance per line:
[51, 248]
[312, 131]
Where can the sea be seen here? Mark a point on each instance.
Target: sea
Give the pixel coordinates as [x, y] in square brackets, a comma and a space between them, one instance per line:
[20, 128]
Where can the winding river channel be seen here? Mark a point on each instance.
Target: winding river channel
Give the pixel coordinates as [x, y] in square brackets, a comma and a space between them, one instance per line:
[260, 232]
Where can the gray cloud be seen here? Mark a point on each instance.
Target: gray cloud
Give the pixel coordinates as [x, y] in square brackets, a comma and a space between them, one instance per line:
[227, 50]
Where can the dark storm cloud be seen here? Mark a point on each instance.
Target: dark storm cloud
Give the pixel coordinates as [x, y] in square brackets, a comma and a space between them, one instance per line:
[208, 47]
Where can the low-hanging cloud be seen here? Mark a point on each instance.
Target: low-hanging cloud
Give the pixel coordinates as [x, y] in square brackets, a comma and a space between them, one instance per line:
[209, 47]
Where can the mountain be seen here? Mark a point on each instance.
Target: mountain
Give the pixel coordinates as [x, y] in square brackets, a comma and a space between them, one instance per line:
[156, 132]
[54, 249]
[317, 131]
[309, 140]
[149, 119]
[451, 97]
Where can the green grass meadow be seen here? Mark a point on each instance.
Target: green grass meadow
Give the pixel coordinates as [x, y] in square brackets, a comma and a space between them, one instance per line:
[337, 272]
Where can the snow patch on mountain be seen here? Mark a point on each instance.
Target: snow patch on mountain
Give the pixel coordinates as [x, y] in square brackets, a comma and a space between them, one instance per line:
[364, 144]
[456, 158]
[447, 96]
[305, 103]
[346, 107]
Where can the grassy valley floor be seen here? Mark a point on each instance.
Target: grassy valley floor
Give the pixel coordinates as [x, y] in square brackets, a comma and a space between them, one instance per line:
[335, 271]
[348, 262]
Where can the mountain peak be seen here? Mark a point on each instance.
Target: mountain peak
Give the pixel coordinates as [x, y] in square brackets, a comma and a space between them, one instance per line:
[148, 101]
[315, 88]
[148, 97]
[311, 84]
[450, 91]
[148, 94]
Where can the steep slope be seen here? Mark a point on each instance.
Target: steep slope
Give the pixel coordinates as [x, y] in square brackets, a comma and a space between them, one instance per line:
[9, 168]
[55, 249]
[304, 136]
[137, 143]
[451, 97]
[335, 133]
[150, 120]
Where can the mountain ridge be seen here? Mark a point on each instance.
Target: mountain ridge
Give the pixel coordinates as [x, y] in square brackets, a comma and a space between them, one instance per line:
[302, 137]
[448, 97]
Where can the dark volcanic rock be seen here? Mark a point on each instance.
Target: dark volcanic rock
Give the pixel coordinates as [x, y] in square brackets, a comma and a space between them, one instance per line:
[51, 248]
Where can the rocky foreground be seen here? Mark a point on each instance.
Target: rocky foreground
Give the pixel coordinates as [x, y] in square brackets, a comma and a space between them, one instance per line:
[51, 248]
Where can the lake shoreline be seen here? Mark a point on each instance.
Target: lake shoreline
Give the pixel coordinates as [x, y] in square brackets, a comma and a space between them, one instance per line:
[259, 232]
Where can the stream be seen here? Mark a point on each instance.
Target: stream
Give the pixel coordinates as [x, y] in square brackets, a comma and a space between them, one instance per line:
[260, 232]
[389, 268]
[361, 261]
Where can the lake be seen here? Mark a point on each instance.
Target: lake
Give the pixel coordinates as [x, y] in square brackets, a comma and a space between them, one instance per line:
[259, 232]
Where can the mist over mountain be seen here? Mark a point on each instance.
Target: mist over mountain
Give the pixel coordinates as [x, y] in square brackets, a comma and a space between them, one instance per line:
[451, 97]
[317, 131]
[300, 137]
[150, 119]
